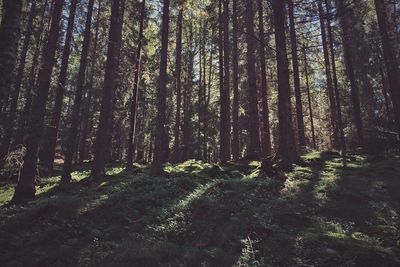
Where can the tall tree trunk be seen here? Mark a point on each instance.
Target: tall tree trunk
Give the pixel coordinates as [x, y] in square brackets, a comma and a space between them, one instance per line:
[254, 148]
[235, 68]
[335, 81]
[104, 130]
[47, 150]
[296, 77]
[310, 110]
[266, 135]
[225, 129]
[160, 152]
[17, 86]
[178, 86]
[24, 113]
[287, 153]
[9, 38]
[135, 91]
[90, 94]
[349, 60]
[26, 184]
[389, 55]
[72, 136]
[329, 84]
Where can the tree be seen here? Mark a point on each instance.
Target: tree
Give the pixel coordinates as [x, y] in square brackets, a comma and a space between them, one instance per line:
[25, 189]
[287, 153]
[135, 91]
[235, 73]
[178, 84]
[9, 37]
[296, 77]
[266, 136]
[71, 143]
[254, 149]
[104, 130]
[225, 124]
[17, 86]
[47, 151]
[160, 152]
[390, 58]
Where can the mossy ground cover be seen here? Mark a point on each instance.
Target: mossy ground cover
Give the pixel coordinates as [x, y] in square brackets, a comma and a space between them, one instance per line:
[200, 214]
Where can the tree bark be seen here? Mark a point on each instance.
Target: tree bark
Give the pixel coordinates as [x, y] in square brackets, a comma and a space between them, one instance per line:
[287, 153]
[178, 86]
[104, 130]
[390, 58]
[296, 77]
[135, 91]
[47, 150]
[235, 68]
[73, 131]
[5, 144]
[314, 144]
[348, 56]
[225, 129]
[160, 152]
[9, 38]
[254, 149]
[25, 189]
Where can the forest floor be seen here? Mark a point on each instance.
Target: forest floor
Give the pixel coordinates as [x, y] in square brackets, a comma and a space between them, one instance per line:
[211, 215]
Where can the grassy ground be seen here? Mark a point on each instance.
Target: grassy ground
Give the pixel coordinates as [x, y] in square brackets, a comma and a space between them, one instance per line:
[211, 215]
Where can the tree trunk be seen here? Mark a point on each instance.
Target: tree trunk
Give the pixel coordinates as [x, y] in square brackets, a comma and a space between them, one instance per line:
[329, 85]
[348, 56]
[254, 148]
[178, 86]
[286, 153]
[26, 185]
[235, 68]
[104, 130]
[335, 81]
[160, 152]
[389, 55]
[9, 38]
[47, 150]
[73, 131]
[309, 98]
[225, 129]
[296, 77]
[17, 87]
[266, 135]
[134, 99]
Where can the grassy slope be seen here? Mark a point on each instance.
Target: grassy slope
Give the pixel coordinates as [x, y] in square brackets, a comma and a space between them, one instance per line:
[323, 215]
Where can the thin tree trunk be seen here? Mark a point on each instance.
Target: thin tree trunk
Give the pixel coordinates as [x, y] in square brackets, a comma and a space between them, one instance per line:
[266, 135]
[389, 55]
[286, 153]
[104, 130]
[254, 149]
[335, 82]
[309, 98]
[26, 185]
[17, 86]
[348, 56]
[296, 77]
[178, 85]
[135, 91]
[160, 153]
[224, 81]
[235, 68]
[47, 150]
[329, 84]
[71, 143]
[9, 38]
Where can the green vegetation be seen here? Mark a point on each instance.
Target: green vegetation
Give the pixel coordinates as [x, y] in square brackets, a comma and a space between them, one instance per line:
[211, 215]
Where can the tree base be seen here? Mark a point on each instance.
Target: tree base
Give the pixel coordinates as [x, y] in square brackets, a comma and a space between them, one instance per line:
[23, 193]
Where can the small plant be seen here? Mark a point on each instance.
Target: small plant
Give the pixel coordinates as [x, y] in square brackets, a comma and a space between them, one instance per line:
[14, 163]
